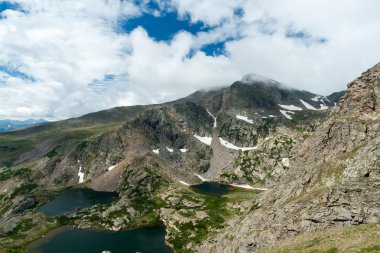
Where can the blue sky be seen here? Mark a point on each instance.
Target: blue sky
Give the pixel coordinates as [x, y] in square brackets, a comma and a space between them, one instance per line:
[165, 26]
[65, 58]
[8, 5]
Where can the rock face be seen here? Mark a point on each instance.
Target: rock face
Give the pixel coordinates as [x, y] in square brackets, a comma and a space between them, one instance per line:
[334, 182]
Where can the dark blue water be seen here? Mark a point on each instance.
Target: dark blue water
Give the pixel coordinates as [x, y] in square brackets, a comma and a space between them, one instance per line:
[212, 188]
[70, 240]
[68, 201]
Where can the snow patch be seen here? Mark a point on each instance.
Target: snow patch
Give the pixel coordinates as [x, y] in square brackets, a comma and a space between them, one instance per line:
[183, 150]
[291, 107]
[212, 117]
[170, 149]
[81, 175]
[272, 116]
[184, 183]
[287, 114]
[232, 146]
[201, 178]
[111, 167]
[245, 186]
[310, 107]
[206, 140]
[241, 117]
[156, 151]
[285, 162]
[320, 99]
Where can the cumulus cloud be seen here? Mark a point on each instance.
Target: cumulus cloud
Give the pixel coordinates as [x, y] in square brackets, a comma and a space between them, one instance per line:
[65, 58]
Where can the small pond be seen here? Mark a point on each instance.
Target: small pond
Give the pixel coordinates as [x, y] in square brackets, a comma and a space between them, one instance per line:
[69, 240]
[68, 201]
[212, 188]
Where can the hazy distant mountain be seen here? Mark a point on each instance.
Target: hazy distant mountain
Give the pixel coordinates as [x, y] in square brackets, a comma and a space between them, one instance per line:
[8, 125]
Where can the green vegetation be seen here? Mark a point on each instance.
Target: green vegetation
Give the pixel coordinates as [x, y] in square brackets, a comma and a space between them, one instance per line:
[370, 249]
[25, 225]
[228, 177]
[24, 189]
[196, 232]
[265, 127]
[14, 144]
[248, 162]
[31, 228]
[52, 153]
[21, 173]
[64, 221]
[282, 144]
[362, 238]
[200, 223]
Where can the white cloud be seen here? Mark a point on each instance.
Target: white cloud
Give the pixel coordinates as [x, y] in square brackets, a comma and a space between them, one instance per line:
[64, 46]
[349, 27]
[210, 12]
[67, 45]
[166, 69]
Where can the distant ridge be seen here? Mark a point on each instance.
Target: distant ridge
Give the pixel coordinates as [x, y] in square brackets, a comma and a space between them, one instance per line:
[9, 125]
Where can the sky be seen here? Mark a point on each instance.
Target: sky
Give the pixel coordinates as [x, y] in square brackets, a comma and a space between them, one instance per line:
[65, 58]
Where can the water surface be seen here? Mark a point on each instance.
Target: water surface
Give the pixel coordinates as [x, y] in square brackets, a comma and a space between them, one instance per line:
[212, 188]
[68, 201]
[71, 240]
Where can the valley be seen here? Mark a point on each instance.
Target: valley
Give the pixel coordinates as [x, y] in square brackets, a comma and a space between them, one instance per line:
[253, 167]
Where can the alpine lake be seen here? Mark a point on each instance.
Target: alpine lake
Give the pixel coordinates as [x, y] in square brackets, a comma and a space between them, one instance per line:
[68, 239]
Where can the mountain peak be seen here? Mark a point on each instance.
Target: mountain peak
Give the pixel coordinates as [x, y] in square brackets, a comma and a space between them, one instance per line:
[251, 77]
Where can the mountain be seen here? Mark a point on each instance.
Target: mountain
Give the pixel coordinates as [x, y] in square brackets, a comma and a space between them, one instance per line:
[9, 125]
[174, 124]
[332, 185]
[290, 149]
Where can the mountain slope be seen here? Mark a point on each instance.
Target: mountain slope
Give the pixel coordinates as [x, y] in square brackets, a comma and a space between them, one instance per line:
[334, 181]
[244, 115]
[34, 142]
